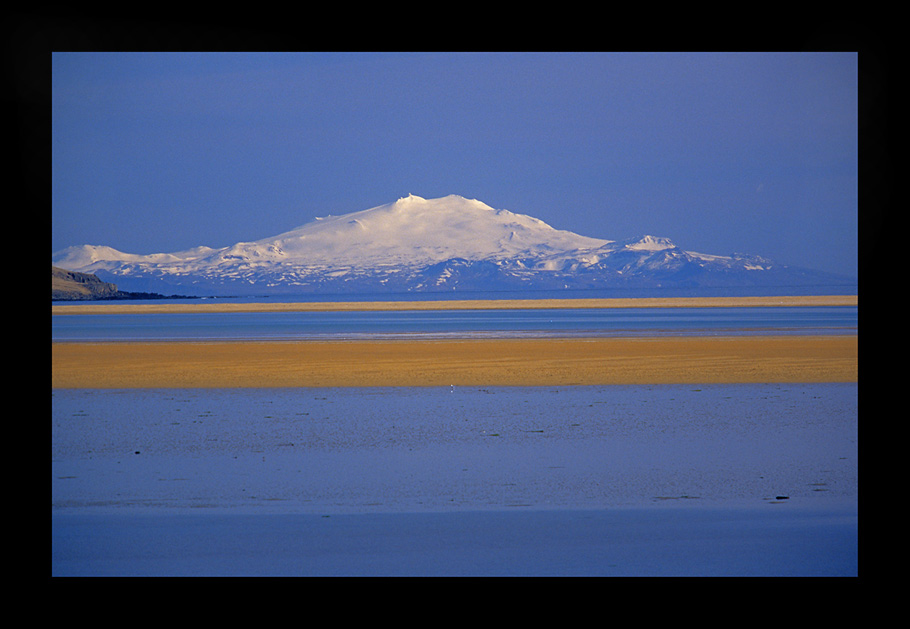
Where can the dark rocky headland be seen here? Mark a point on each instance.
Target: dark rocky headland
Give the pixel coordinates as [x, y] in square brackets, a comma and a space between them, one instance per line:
[75, 286]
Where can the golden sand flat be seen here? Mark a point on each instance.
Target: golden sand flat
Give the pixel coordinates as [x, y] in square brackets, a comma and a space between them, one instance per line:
[599, 361]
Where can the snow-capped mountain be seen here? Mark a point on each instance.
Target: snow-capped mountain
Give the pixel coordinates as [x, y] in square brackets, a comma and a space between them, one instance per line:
[417, 244]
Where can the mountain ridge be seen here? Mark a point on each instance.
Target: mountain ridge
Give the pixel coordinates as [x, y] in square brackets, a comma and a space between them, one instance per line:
[422, 245]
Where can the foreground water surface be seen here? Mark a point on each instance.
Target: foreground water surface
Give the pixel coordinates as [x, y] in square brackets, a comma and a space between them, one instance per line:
[797, 542]
[434, 448]
[636, 479]
[363, 449]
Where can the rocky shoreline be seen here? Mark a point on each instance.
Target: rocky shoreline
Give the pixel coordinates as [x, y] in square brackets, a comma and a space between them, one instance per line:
[76, 286]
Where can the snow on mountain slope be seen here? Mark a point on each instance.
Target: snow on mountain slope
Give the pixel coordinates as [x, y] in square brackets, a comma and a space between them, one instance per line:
[86, 256]
[414, 244]
[412, 231]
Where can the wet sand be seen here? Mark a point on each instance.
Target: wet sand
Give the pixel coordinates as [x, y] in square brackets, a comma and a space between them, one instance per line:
[504, 362]
[477, 304]
[741, 480]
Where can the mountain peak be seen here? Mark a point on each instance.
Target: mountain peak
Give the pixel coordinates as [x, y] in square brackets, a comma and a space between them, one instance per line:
[446, 203]
[420, 231]
[648, 243]
[411, 198]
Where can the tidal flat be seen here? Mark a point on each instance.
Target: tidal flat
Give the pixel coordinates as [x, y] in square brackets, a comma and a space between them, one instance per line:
[457, 480]
[462, 362]
[660, 455]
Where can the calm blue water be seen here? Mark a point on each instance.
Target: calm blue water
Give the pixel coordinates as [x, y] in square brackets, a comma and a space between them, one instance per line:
[455, 323]
[665, 480]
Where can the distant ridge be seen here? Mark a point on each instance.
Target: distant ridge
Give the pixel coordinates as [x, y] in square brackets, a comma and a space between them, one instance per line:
[417, 245]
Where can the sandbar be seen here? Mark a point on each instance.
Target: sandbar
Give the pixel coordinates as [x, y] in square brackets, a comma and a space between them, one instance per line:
[468, 362]
[210, 306]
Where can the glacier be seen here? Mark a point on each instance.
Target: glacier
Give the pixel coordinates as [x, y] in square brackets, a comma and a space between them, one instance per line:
[427, 245]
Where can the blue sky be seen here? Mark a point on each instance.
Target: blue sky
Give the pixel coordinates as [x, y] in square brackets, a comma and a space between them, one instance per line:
[741, 152]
